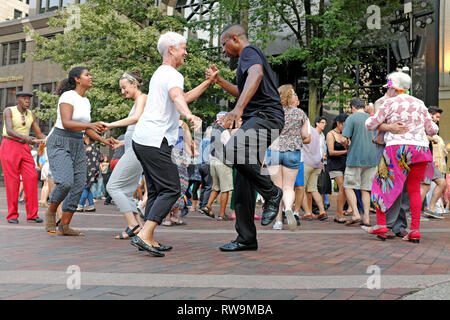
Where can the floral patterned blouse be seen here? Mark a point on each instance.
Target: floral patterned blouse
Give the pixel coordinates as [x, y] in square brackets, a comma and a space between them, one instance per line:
[290, 138]
[93, 159]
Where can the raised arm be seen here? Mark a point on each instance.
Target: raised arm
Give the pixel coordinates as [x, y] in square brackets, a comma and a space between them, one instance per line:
[139, 109]
[230, 88]
[198, 90]
[254, 77]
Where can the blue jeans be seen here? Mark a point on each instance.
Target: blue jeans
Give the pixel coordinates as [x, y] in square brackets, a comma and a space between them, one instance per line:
[87, 194]
[98, 189]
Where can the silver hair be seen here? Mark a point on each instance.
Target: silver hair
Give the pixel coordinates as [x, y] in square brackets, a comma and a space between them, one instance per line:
[169, 39]
[400, 80]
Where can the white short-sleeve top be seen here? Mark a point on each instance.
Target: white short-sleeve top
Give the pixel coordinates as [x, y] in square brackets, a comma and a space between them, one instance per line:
[81, 108]
[160, 117]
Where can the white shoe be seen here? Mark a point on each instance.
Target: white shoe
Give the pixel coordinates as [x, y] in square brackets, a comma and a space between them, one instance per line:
[278, 225]
[140, 209]
[292, 223]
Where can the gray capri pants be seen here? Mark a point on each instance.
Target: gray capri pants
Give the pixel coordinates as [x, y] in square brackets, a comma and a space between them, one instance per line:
[67, 160]
[124, 181]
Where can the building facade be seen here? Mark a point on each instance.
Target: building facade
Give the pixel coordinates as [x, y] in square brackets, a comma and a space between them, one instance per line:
[14, 9]
[444, 70]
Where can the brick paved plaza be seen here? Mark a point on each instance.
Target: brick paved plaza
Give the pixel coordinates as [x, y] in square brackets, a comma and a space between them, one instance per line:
[320, 260]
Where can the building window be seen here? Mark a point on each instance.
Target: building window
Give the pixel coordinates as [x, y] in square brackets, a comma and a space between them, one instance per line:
[17, 14]
[51, 5]
[12, 52]
[10, 97]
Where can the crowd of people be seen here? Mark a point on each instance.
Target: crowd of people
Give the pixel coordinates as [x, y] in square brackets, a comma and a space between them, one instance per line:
[266, 148]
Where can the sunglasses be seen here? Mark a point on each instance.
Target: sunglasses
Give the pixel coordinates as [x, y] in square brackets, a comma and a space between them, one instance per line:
[24, 121]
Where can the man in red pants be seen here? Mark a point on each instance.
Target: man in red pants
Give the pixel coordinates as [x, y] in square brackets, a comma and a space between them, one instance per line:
[16, 158]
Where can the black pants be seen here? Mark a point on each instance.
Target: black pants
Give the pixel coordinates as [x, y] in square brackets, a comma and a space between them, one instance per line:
[196, 185]
[246, 150]
[161, 177]
[206, 184]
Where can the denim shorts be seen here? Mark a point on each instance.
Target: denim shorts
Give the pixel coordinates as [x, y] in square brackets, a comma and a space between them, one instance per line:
[288, 159]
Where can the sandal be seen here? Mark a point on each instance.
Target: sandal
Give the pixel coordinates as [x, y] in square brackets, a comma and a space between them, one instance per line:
[340, 220]
[307, 217]
[130, 233]
[207, 211]
[322, 216]
[177, 223]
[352, 221]
[224, 218]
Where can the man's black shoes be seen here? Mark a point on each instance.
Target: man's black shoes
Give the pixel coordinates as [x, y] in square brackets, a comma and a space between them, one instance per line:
[36, 220]
[13, 221]
[271, 207]
[236, 246]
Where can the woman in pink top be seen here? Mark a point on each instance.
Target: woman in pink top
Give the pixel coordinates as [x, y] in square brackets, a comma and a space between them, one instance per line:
[405, 157]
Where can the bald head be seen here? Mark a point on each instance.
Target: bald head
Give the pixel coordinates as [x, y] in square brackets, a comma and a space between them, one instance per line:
[234, 30]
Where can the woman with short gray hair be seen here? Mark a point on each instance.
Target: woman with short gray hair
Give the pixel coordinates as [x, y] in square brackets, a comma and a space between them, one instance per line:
[157, 132]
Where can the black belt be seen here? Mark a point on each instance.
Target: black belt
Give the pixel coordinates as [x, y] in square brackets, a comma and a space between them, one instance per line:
[14, 139]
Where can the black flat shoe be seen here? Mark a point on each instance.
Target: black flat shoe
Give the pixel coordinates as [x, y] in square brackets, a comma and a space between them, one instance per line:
[13, 221]
[160, 247]
[139, 243]
[236, 246]
[36, 220]
[271, 207]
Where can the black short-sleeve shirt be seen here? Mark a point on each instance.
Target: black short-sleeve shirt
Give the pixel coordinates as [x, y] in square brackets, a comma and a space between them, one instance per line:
[266, 99]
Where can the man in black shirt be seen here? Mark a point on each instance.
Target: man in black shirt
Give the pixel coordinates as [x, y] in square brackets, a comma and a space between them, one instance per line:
[259, 106]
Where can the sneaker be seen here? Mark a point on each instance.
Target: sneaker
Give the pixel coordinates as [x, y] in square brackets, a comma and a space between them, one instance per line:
[432, 214]
[90, 209]
[292, 223]
[80, 209]
[278, 225]
[139, 209]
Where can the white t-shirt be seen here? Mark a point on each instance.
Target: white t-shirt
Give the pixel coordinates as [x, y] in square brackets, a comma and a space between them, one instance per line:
[81, 108]
[160, 117]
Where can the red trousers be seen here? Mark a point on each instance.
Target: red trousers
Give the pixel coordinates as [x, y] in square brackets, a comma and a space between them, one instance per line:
[17, 161]
[415, 176]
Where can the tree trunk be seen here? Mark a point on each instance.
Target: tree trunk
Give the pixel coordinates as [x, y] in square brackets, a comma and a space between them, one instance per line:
[313, 107]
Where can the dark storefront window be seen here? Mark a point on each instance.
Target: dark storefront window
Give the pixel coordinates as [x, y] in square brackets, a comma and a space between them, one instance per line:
[12, 52]
[10, 97]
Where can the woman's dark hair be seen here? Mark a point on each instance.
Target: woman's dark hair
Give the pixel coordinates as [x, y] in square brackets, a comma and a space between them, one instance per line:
[69, 83]
[136, 74]
[341, 118]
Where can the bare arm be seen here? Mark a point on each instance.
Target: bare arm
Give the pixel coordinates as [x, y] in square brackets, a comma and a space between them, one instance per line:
[66, 112]
[306, 137]
[330, 145]
[198, 90]
[177, 96]
[230, 88]
[140, 105]
[254, 77]
[7, 117]
[36, 128]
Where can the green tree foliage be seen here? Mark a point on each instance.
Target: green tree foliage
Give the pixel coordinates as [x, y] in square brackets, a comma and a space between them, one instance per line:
[116, 36]
[326, 36]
